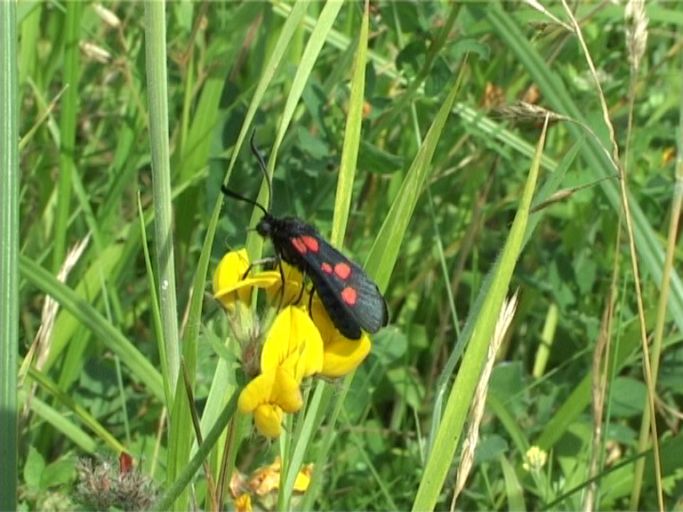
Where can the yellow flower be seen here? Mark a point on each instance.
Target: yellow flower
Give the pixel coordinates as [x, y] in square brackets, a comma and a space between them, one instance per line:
[303, 478]
[229, 284]
[295, 346]
[243, 503]
[535, 459]
[268, 396]
[292, 290]
[293, 350]
[267, 479]
[340, 355]
[293, 343]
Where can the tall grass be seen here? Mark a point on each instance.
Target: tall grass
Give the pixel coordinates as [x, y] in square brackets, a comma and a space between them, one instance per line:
[9, 255]
[398, 130]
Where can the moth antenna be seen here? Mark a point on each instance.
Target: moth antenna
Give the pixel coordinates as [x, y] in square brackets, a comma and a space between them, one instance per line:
[235, 195]
[262, 165]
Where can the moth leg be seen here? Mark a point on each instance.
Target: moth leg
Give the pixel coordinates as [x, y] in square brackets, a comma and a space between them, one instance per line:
[282, 285]
[301, 290]
[261, 261]
[310, 303]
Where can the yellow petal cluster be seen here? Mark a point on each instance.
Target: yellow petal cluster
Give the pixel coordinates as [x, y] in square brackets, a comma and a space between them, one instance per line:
[263, 484]
[230, 282]
[293, 343]
[298, 344]
[340, 355]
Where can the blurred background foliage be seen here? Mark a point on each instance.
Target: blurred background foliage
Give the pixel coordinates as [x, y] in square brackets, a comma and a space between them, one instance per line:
[217, 51]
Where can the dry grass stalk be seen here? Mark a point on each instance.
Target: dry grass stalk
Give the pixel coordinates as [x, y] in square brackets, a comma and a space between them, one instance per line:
[541, 8]
[599, 388]
[647, 369]
[40, 347]
[636, 32]
[507, 312]
[528, 112]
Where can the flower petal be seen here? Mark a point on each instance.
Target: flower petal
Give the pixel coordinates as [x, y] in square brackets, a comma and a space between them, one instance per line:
[294, 343]
[340, 355]
[243, 503]
[268, 420]
[286, 392]
[257, 392]
[276, 387]
[228, 276]
[293, 283]
[267, 478]
[303, 478]
[229, 283]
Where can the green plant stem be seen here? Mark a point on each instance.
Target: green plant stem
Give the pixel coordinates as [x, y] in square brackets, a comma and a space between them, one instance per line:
[9, 264]
[89, 317]
[172, 493]
[665, 287]
[462, 391]
[67, 132]
[155, 46]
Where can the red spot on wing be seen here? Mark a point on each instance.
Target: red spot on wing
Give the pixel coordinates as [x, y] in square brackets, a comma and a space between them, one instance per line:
[326, 267]
[310, 242]
[349, 295]
[299, 245]
[343, 270]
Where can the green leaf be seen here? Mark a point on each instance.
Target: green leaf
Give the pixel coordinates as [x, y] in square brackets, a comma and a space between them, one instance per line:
[376, 160]
[513, 487]
[141, 368]
[462, 391]
[9, 254]
[627, 397]
[385, 250]
[33, 469]
[60, 472]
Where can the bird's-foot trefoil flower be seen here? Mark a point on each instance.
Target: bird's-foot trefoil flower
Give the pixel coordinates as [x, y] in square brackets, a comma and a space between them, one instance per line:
[262, 485]
[300, 342]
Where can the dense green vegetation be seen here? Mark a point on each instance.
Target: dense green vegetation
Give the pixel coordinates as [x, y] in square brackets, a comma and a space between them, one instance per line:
[412, 135]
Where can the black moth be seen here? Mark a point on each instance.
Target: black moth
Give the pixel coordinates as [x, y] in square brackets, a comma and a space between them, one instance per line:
[352, 300]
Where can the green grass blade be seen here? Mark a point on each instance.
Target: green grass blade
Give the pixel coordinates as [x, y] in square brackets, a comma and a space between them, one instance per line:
[155, 46]
[60, 423]
[180, 430]
[180, 451]
[352, 138]
[384, 252]
[112, 262]
[196, 141]
[580, 397]
[194, 316]
[154, 305]
[304, 68]
[279, 51]
[67, 131]
[30, 33]
[139, 366]
[546, 190]
[513, 487]
[650, 251]
[462, 392]
[171, 494]
[341, 212]
[9, 241]
[76, 410]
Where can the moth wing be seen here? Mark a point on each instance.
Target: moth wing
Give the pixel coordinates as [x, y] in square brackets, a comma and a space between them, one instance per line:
[351, 298]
